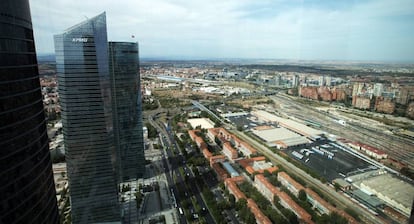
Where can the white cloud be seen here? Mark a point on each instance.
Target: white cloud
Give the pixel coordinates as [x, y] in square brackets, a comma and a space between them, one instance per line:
[241, 28]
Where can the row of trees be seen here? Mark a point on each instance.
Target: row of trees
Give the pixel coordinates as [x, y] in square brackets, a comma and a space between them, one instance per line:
[266, 207]
[152, 131]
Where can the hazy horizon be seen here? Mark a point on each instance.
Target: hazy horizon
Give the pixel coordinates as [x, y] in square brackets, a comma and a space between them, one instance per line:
[276, 30]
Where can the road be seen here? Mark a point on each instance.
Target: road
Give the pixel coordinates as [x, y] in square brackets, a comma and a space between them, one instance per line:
[173, 163]
[340, 200]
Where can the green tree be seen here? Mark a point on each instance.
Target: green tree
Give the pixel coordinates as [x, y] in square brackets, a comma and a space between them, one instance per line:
[249, 218]
[152, 132]
[232, 200]
[275, 199]
[302, 195]
[337, 186]
[352, 213]
[293, 219]
[241, 203]
[267, 174]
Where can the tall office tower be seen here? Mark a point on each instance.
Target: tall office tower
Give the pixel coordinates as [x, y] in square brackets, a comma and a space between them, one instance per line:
[278, 80]
[27, 189]
[328, 80]
[322, 80]
[127, 109]
[85, 97]
[295, 80]
[378, 89]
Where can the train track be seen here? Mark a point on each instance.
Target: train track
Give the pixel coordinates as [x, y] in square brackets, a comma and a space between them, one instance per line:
[340, 200]
[397, 147]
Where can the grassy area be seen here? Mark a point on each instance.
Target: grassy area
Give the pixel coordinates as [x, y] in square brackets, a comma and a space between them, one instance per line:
[383, 119]
[309, 102]
[241, 85]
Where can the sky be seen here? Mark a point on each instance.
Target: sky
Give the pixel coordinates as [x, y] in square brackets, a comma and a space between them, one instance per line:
[350, 30]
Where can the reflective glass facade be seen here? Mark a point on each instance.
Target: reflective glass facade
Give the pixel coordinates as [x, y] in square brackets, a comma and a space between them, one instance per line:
[27, 189]
[84, 88]
[127, 111]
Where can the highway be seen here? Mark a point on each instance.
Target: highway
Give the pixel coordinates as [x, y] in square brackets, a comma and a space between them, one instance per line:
[340, 200]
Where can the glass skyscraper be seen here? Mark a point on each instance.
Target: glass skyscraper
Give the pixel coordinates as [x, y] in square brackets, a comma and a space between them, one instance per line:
[85, 96]
[27, 189]
[127, 111]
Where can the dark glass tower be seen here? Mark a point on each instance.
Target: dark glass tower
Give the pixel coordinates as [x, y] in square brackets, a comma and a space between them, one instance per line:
[127, 109]
[84, 89]
[27, 189]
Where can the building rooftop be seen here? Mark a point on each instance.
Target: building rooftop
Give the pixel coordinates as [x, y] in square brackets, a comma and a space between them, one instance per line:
[257, 164]
[369, 148]
[292, 142]
[193, 134]
[248, 147]
[392, 187]
[227, 146]
[302, 213]
[317, 198]
[234, 189]
[287, 123]
[220, 171]
[370, 200]
[258, 214]
[207, 154]
[272, 134]
[230, 169]
[261, 165]
[202, 122]
[217, 158]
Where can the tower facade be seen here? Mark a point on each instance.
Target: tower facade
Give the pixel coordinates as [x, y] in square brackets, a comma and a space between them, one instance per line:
[295, 80]
[86, 109]
[322, 80]
[127, 109]
[27, 189]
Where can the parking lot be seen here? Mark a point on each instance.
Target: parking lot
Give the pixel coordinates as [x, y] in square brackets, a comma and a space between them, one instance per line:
[328, 160]
[245, 121]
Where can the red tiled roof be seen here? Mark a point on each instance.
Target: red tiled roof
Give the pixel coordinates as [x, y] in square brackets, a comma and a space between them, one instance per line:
[304, 215]
[192, 134]
[258, 214]
[207, 154]
[219, 171]
[232, 186]
[317, 198]
[370, 148]
[248, 147]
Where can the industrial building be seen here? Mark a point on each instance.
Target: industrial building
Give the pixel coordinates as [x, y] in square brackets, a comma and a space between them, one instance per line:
[201, 122]
[393, 191]
[279, 137]
[294, 126]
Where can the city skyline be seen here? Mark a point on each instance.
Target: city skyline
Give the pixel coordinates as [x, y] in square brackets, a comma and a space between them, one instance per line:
[311, 30]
